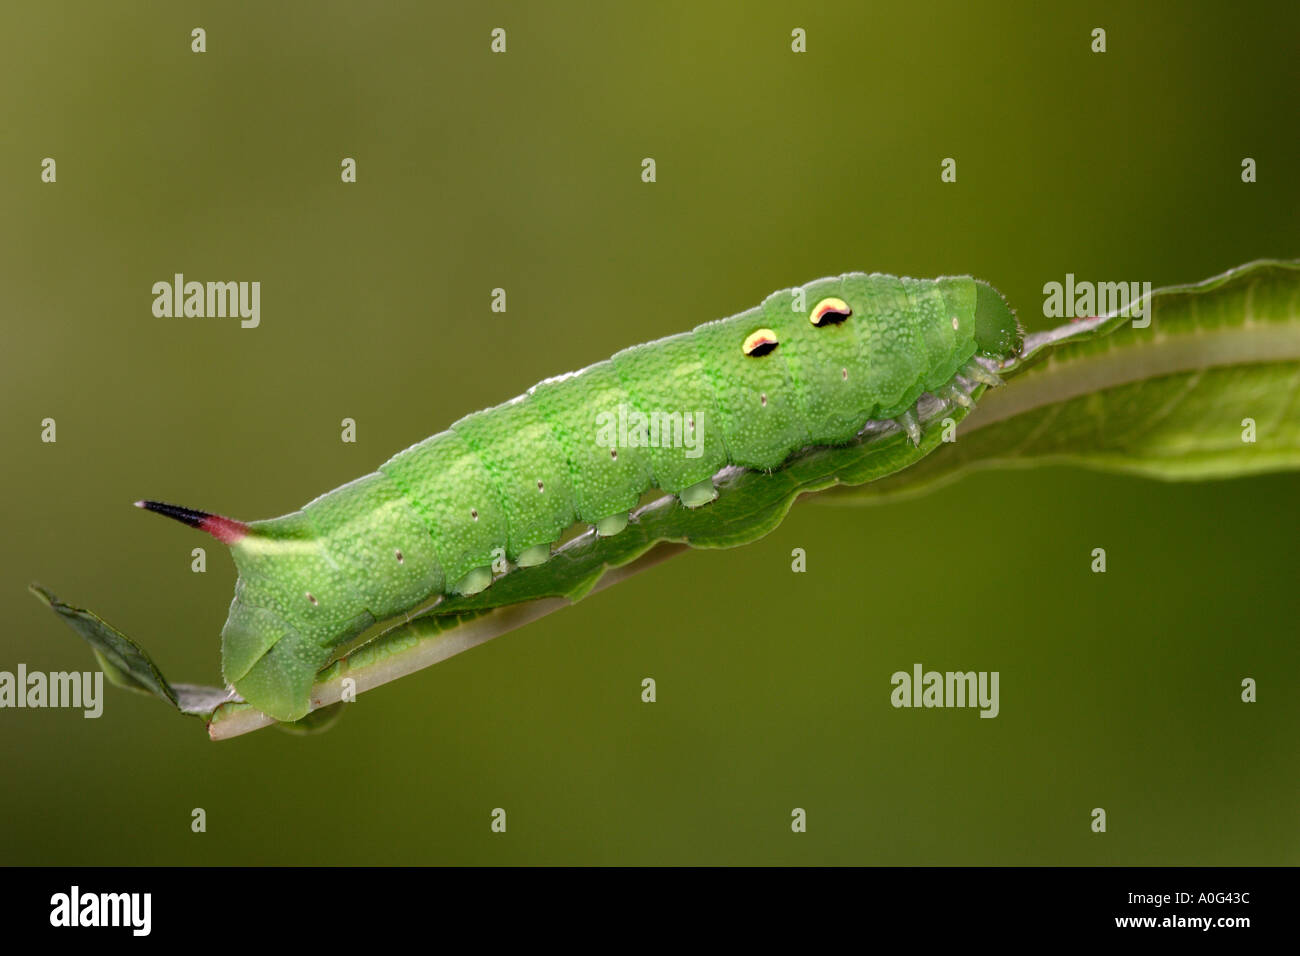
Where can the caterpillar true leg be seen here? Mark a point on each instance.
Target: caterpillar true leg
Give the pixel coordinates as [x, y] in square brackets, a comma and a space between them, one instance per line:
[954, 394]
[908, 422]
[977, 372]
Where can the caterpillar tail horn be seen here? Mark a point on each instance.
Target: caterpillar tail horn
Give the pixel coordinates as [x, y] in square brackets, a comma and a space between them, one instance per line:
[225, 530]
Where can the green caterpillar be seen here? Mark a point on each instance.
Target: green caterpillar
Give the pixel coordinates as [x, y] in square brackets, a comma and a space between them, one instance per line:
[810, 366]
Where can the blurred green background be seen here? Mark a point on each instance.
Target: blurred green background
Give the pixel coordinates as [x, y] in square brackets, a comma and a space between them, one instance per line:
[522, 171]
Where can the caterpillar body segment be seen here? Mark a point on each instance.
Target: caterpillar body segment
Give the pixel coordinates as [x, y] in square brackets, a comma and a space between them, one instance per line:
[807, 367]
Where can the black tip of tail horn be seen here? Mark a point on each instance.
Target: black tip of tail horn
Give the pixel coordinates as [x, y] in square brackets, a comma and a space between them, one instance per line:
[184, 515]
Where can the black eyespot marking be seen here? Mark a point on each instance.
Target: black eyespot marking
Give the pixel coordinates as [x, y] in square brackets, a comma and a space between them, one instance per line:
[398, 554]
[760, 343]
[830, 311]
[311, 597]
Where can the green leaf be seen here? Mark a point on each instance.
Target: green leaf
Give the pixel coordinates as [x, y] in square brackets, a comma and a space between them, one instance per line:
[125, 663]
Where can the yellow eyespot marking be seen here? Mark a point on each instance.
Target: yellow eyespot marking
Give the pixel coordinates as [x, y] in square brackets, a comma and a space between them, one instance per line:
[955, 323]
[760, 343]
[830, 311]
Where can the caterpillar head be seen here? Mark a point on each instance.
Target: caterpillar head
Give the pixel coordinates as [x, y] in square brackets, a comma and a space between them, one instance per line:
[997, 330]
